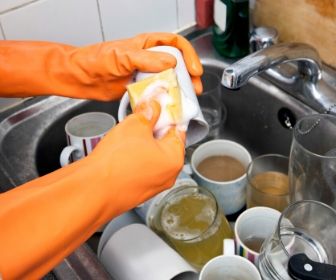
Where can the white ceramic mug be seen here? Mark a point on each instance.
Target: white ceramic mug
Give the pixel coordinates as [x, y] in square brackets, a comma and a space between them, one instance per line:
[229, 266]
[192, 117]
[231, 195]
[136, 252]
[257, 224]
[123, 220]
[83, 133]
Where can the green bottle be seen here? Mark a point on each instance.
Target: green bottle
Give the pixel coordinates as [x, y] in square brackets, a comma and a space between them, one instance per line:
[231, 28]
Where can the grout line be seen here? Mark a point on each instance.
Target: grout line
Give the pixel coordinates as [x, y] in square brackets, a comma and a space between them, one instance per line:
[2, 31]
[100, 20]
[18, 7]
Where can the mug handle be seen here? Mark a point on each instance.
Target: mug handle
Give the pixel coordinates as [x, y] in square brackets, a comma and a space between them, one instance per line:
[123, 106]
[66, 153]
[228, 247]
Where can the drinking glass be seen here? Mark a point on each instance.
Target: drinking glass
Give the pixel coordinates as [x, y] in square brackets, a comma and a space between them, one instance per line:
[307, 227]
[312, 164]
[213, 110]
[193, 224]
[267, 182]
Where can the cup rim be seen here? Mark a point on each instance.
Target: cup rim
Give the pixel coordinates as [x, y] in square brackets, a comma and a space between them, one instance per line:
[241, 243]
[249, 179]
[295, 133]
[240, 258]
[193, 167]
[156, 202]
[75, 118]
[291, 206]
[179, 189]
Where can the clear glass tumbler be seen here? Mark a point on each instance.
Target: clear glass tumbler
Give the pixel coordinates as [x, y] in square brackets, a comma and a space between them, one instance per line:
[306, 226]
[213, 110]
[312, 163]
[212, 107]
[267, 182]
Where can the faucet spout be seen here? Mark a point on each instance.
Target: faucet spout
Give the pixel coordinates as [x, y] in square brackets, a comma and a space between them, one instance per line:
[303, 81]
[308, 59]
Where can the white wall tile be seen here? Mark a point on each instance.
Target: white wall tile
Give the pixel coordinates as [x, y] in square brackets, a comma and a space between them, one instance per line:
[126, 18]
[10, 4]
[67, 21]
[186, 12]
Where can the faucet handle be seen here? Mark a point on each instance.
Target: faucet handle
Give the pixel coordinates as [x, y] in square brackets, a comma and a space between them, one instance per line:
[263, 37]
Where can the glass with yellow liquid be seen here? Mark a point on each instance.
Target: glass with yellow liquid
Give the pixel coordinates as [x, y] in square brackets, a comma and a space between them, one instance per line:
[193, 224]
[268, 183]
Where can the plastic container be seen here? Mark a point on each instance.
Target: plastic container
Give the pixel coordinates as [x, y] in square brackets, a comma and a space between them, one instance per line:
[204, 13]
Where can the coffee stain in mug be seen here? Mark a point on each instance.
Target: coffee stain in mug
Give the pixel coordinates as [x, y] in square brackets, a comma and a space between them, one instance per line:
[221, 168]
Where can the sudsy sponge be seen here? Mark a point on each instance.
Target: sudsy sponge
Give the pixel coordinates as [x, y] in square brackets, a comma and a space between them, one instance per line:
[162, 87]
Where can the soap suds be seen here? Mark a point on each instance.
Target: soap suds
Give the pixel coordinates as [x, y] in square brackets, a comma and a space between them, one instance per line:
[158, 90]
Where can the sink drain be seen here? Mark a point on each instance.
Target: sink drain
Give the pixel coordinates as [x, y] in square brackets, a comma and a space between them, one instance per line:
[286, 118]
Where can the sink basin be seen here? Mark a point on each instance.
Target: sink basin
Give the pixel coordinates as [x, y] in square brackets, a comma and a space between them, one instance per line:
[259, 116]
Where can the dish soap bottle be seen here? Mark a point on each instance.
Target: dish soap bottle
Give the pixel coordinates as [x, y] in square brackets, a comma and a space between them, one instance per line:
[231, 28]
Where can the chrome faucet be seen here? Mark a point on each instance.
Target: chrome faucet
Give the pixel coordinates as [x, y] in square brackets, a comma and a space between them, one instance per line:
[303, 79]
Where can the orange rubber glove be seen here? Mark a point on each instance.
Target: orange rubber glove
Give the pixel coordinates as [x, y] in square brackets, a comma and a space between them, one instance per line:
[99, 71]
[44, 220]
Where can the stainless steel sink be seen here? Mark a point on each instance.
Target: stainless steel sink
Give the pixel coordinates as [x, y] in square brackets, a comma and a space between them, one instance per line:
[259, 116]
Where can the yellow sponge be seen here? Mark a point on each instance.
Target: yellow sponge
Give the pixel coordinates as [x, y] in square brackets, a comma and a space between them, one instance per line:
[162, 87]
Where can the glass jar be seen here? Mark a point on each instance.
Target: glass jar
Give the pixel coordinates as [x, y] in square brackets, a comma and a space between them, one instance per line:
[194, 224]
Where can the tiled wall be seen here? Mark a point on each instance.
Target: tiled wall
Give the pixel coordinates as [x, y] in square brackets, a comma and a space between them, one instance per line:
[81, 22]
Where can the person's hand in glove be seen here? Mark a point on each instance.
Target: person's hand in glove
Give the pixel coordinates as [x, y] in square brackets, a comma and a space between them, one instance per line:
[44, 220]
[100, 71]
